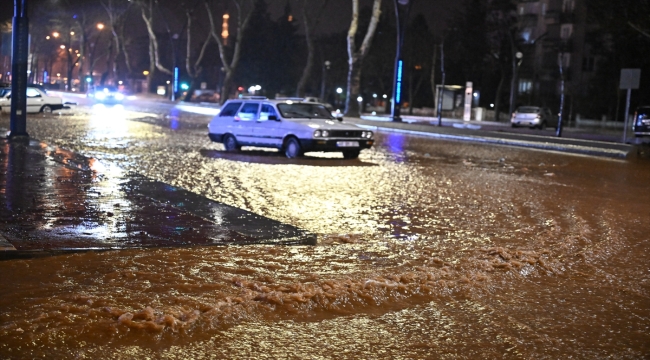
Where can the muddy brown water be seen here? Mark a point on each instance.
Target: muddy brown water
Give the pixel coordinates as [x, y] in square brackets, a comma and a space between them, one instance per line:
[427, 249]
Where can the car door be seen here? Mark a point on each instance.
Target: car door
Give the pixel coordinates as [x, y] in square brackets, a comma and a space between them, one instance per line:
[34, 100]
[268, 129]
[247, 118]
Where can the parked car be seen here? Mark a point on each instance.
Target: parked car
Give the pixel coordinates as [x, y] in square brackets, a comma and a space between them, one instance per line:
[38, 100]
[105, 94]
[641, 125]
[294, 127]
[534, 117]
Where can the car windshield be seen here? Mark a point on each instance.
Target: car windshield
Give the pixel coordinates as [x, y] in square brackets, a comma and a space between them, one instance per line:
[106, 89]
[303, 110]
[528, 110]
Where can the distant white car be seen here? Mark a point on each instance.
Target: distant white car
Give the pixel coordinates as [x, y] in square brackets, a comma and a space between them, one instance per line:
[37, 101]
[293, 126]
[534, 117]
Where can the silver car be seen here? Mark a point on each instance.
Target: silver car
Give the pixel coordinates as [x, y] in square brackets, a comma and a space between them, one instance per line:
[534, 117]
[293, 127]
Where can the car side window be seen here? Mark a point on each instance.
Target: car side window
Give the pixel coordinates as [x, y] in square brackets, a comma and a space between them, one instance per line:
[230, 109]
[33, 93]
[248, 112]
[267, 110]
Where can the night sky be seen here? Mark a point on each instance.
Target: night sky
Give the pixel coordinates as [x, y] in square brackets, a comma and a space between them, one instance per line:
[336, 17]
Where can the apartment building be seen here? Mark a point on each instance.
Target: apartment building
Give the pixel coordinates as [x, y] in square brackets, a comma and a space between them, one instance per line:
[550, 30]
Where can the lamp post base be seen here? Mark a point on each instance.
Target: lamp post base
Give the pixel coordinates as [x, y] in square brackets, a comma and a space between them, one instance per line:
[17, 136]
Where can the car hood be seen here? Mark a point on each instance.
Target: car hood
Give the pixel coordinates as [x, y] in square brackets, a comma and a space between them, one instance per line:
[325, 124]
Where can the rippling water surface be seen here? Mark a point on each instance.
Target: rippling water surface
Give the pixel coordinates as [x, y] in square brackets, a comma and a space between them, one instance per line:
[427, 249]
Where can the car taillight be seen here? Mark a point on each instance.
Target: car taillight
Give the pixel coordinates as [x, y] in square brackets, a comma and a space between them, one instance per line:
[513, 115]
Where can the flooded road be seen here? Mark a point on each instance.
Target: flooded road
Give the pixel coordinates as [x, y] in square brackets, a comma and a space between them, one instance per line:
[427, 249]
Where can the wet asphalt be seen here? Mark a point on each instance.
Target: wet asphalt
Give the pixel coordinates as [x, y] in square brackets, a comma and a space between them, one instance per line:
[53, 200]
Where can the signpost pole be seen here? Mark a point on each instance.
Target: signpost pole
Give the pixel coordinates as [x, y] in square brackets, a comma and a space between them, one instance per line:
[630, 79]
[627, 116]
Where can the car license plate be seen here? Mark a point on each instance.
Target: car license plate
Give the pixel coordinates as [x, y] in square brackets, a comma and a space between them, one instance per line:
[347, 143]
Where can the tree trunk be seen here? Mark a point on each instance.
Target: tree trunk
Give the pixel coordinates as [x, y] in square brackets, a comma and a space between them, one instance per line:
[354, 85]
[355, 57]
[497, 100]
[433, 73]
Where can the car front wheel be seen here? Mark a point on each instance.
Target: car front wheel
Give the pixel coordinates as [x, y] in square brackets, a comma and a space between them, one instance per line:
[230, 143]
[292, 149]
[47, 109]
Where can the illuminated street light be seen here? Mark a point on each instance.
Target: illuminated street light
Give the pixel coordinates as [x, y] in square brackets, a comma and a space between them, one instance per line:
[55, 34]
[71, 33]
[100, 26]
[47, 37]
[62, 46]
[145, 73]
[339, 91]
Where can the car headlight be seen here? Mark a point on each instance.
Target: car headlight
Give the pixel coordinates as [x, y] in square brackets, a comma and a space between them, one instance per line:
[317, 133]
[325, 133]
[100, 96]
[366, 134]
[119, 96]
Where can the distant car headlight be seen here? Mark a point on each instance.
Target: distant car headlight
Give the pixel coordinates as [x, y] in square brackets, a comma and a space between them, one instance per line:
[317, 133]
[100, 96]
[119, 96]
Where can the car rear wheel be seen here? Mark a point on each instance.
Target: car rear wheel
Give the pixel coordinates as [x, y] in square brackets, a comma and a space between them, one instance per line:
[230, 143]
[351, 154]
[292, 149]
[47, 109]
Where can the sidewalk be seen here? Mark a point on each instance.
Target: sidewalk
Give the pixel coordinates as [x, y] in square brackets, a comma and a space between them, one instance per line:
[594, 142]
[53, 201]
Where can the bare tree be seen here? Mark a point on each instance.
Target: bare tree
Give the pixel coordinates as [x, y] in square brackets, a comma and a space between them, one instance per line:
[194, 70]
[117, 11]
[356, 56]
[244, 13]
[307, 20]
[147, 12]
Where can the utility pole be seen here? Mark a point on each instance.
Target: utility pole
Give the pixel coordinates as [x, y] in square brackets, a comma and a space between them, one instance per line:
[442, 86]
[20, 48]
[560, 60]
[402, 9]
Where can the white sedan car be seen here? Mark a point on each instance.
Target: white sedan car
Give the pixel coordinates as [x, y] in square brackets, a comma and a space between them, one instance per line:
[37, 101]
[534, 117]
[294, 127]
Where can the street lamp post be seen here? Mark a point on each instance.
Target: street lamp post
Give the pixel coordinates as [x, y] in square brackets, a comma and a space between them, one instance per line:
[516, 63]
[18, 117]
[326, 66]
[560, 60]
[402, 8]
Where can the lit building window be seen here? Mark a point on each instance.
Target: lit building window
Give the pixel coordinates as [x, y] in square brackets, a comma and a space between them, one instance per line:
[566, 31]
[525, 86]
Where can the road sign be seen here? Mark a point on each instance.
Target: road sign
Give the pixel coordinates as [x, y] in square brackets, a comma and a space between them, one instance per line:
[630, 79]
